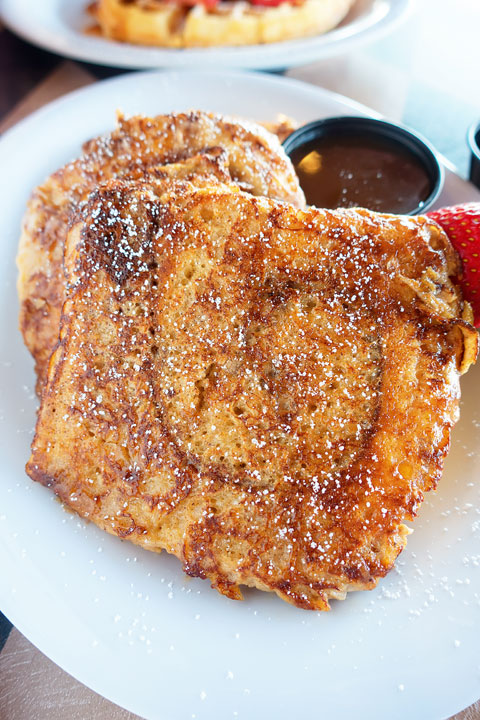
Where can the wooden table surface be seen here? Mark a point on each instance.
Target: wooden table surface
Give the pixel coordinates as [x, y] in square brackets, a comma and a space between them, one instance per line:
[425, 74]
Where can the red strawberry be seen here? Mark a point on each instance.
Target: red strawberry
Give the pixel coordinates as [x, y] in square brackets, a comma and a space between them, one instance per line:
[208, 4]
[462, 225]
[268, 3]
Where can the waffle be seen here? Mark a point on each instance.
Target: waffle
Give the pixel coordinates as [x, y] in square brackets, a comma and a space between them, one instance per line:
[174, 25]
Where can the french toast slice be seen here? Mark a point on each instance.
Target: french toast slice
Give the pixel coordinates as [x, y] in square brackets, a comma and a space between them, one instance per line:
[265, 392]
[227, 148]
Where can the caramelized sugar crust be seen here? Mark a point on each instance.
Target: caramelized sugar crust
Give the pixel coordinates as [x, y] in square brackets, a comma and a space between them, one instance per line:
[265, 392]
[194, 144]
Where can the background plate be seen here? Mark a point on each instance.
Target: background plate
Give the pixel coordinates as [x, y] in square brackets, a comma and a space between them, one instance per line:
[128, 623]
[58, 25]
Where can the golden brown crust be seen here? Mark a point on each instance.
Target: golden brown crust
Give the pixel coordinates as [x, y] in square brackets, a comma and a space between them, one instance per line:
[167, 24]
[229, 150]
[282, 126]
[265, 392]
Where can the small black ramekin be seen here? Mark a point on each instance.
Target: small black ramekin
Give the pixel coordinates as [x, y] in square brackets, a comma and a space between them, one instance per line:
[397, 136]
[473, 139]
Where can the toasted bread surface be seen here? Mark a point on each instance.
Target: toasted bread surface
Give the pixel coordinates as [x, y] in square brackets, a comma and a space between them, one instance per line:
[194, 144]
[265, 392]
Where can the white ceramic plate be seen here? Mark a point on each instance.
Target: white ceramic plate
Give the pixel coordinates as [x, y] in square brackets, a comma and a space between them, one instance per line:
[59, 25]
[128, 623]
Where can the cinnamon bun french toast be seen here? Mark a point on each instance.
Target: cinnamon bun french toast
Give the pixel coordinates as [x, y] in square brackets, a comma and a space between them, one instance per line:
[263, 391]
[229, 149]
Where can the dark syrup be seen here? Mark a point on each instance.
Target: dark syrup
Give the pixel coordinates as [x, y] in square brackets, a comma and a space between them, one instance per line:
[361, 171]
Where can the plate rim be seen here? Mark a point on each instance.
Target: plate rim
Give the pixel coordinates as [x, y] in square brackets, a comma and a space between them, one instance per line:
[56, 105]
[266, 57]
